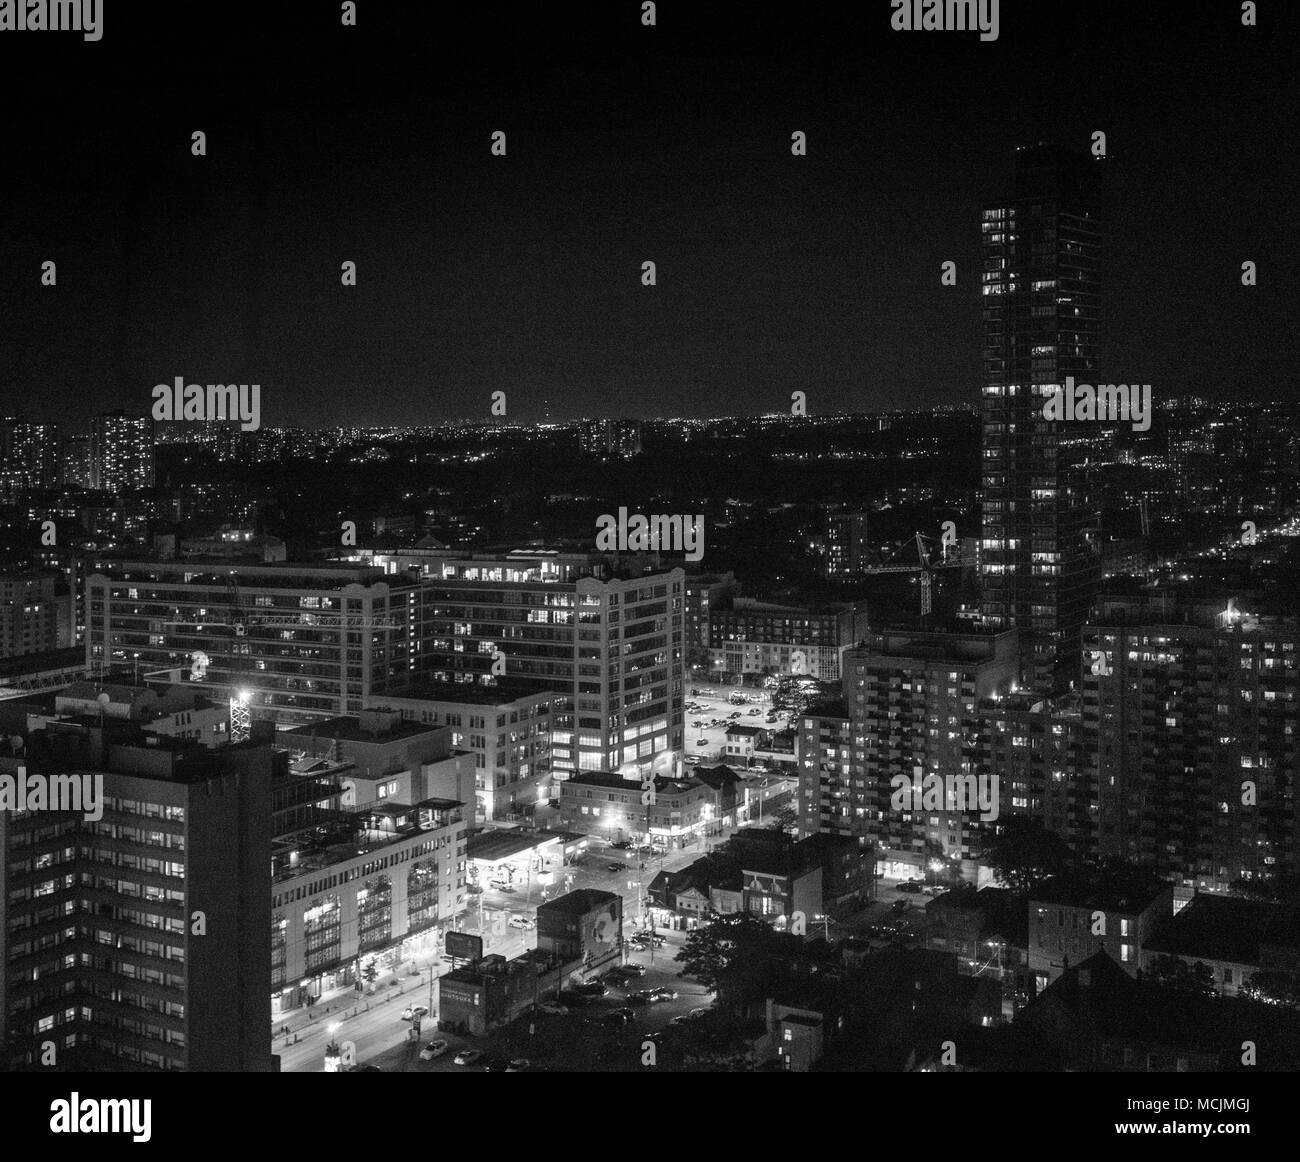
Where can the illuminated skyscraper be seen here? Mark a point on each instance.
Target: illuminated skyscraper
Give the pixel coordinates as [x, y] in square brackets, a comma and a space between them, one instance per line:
[1038, 564]
[121, 452]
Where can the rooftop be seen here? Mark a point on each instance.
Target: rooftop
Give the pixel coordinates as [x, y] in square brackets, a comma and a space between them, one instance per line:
[466, 693]
[579, 902]
[349, 729]
[502, 843]
[1225, 928]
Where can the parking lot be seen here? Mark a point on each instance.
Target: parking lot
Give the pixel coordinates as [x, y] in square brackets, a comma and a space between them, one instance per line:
[709, 714]
[542, 1029]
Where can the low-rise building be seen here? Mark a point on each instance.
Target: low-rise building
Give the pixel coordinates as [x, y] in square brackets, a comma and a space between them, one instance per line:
[1069, 921]
[1233, 938]
[494, 991]
[583, 926]
[391, 759]
[600, 803]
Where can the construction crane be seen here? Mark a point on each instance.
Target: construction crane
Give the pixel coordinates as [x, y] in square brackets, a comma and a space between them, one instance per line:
[925, 566]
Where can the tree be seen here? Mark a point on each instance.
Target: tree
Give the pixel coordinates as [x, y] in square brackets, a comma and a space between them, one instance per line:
[1024, 854]
[1174, 973]
[370, 973]
[785, 818]
[714, 949]
[1273, 987]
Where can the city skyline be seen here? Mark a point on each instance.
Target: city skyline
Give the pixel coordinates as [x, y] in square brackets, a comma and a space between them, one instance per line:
[642, 538]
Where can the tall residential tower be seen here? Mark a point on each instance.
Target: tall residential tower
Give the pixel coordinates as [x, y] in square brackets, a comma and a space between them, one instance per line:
[1039, 565]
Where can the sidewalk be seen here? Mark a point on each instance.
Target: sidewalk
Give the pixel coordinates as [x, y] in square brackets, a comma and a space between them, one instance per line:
[344, 1003]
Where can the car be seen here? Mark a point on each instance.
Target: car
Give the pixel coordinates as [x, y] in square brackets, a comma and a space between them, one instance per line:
[468, 1057]
[553, 1009]
[519, 1065]
[693, 760]
[614, 1020]
[635, 969]
[496, 1065]
[412, 1012]
[643, 997]
[664, 994]
[900, 906]
[699, 1014]
[522, 922]
[910, 888]
[364, 1069]
[592, 988]
[695, 693]
[756, 710]
[616, 867]
[684, 1019]
[622, 844]
[647, 941]
[572, 999]
[701, 742]
[434, 1049]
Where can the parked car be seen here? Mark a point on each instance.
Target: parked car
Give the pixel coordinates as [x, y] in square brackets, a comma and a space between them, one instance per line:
[698, 1014]
[434, 1049]
[553, 1008]
[572, 999]
[411, 1012]
[592, 988]
[909, 887]
[664, 994]
[496, 1065]
[642, 997]
[468, 1057]
[519, 1065]
[756, 710]
[635, 969]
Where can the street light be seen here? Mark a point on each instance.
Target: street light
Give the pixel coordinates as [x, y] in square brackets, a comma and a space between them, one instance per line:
[333, 1053]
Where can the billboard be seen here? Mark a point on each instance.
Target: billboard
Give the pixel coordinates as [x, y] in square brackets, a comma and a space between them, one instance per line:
[463, 946]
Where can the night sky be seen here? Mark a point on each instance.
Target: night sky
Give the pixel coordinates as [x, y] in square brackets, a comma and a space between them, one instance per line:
[625, 143]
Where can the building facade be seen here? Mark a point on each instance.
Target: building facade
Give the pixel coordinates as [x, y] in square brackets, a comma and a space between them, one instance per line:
[1042, 320]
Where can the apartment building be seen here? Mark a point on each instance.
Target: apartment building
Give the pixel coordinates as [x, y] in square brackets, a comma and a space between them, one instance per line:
[909, 711]
[612, 648]
[1195, 709]
[294, 642]
[138, 941]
